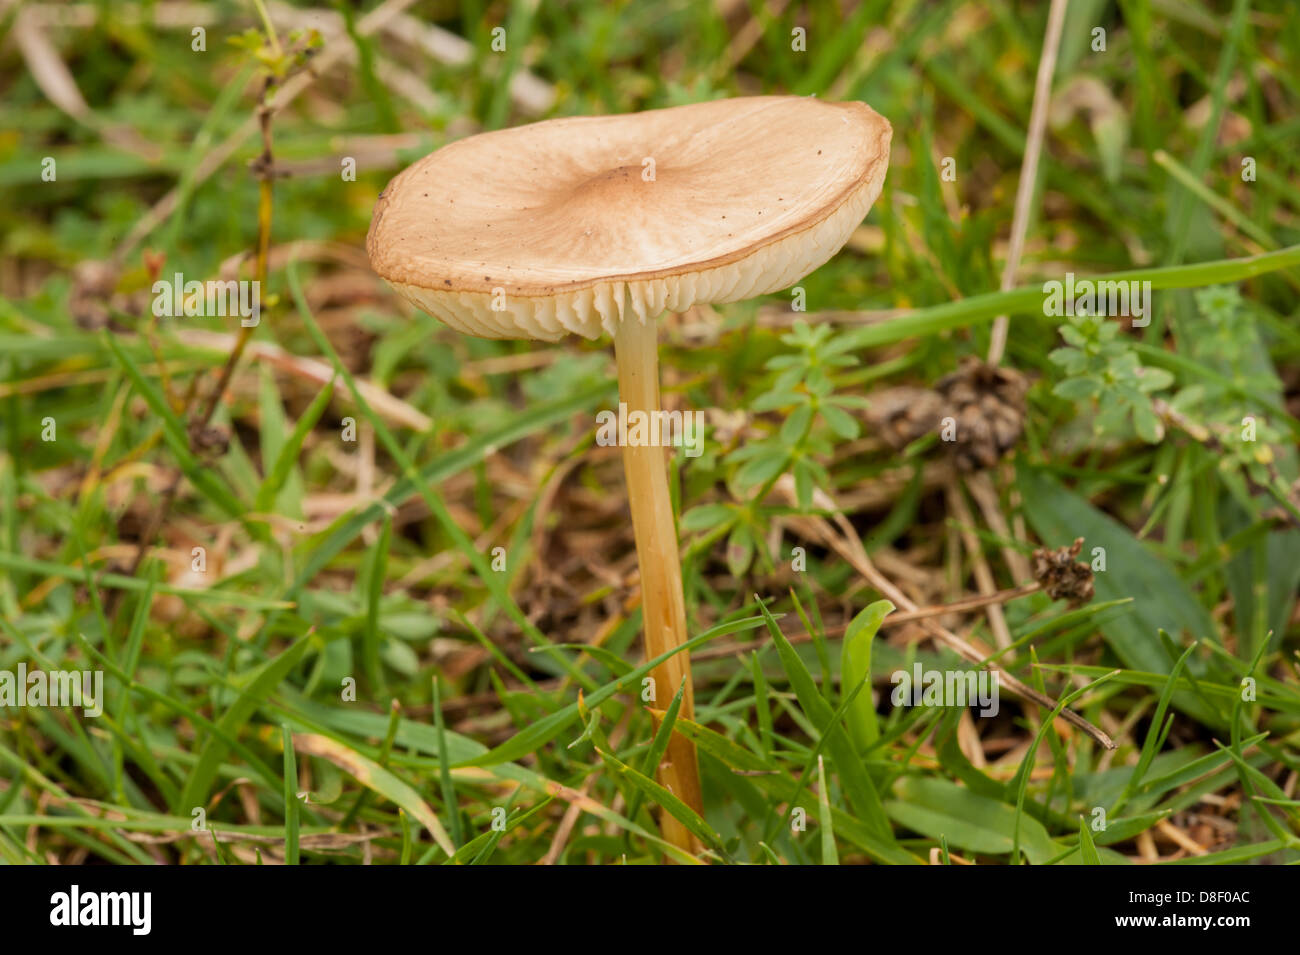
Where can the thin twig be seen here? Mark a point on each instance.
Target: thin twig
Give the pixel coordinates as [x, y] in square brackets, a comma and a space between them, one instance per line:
[981, 489]
[980, 568]
[1029, 168]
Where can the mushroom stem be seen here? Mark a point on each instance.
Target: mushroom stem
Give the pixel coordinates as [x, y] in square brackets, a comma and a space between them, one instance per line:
[663, 609]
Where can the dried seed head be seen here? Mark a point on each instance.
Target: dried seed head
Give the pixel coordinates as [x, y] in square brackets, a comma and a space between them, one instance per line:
[211, 442]
[988, 405]
[1063, 577]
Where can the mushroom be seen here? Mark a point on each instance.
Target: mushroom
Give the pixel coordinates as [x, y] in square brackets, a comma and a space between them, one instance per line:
[594, 225]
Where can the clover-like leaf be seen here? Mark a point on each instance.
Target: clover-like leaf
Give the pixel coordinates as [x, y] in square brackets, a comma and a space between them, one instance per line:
[740, 549]
[1148, 425]
[1078, 389]
[840, 421]
[770, 461]
[706, 517]
[796, 425]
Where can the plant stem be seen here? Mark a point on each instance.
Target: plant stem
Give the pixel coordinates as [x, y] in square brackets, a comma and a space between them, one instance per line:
[1029, 168]
[663, 608]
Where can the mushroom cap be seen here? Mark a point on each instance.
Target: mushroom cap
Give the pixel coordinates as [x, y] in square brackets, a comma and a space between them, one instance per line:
[573, 225]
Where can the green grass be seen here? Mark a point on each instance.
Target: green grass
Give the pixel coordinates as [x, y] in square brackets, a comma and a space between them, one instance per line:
[351, 671]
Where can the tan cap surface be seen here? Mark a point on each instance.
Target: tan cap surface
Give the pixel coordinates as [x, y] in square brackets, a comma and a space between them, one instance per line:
[571, 225]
